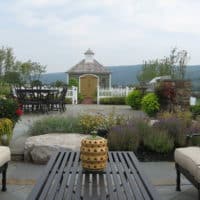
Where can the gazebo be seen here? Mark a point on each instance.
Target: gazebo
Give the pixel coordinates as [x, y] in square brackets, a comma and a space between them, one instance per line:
[90, 74]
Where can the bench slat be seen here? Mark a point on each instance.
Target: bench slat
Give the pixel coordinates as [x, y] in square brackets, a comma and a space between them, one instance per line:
[51, 177]
[132, 178]
[67, 171]
[137, 178]
[148, 185]
[121, 171]
[58, 177]
[40, 183]
[120, 190]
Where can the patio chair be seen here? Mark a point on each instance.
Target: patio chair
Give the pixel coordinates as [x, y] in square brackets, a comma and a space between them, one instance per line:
[4, 159]
[187, 162]
[56, 101]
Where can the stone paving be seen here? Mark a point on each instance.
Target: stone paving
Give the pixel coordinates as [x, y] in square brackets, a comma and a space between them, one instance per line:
[22, 176]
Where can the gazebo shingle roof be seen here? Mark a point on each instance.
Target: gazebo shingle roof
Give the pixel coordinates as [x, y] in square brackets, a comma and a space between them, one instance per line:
[88, 67]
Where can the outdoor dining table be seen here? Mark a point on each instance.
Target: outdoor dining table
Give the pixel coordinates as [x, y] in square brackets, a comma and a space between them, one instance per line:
[35, 99]
[64, 179]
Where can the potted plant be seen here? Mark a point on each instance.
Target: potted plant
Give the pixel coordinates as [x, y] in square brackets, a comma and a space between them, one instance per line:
[94, 152]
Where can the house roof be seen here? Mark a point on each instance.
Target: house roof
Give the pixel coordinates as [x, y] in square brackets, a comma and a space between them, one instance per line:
[89, 52]
[88, 67]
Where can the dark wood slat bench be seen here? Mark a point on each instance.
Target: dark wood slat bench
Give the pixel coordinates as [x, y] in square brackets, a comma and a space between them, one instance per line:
[64, 179]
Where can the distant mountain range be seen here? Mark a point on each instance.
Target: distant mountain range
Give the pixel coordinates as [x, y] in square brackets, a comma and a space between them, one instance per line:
[126, 75]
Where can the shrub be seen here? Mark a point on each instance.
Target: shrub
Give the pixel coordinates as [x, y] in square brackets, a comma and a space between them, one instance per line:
[134, 99]
[142, 127]
[100, 122]
[194, 128]
[150, 104]
[158, 140]
[80, 97]
[195, 110]
[5, 89]
[185, 116]
[9, 108]
[123, 138]
[176, 129]
[55, 125]
[6, 130]
[89, 123]
[113, 101]
[68, 100]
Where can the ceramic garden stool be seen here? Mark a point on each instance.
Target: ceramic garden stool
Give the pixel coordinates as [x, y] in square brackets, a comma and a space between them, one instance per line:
[4, 159]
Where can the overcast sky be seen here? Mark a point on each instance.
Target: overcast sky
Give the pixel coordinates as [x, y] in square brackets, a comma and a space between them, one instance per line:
[56, 33]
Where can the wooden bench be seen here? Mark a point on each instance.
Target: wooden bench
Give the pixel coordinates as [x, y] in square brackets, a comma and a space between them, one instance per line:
[64, 178]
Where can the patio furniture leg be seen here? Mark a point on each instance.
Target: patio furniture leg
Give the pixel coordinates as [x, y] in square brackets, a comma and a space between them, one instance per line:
[4, 177]
[178, 178]
[198, 191]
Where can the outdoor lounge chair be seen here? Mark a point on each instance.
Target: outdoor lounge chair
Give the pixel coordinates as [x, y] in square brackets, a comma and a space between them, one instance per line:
[4, 158]
[187, 162]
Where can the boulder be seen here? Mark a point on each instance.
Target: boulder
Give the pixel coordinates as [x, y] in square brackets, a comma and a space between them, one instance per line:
[40, 148]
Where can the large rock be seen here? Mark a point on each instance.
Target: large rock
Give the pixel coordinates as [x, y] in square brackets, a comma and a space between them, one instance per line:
[40, 148]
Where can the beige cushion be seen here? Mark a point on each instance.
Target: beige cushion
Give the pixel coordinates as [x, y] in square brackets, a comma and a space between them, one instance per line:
[4, 155]
[189, 159]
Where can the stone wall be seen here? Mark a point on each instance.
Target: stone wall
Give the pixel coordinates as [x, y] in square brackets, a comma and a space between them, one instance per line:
[174, 93]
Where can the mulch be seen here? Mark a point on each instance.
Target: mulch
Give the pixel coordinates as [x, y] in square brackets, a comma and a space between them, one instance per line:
[145, 155]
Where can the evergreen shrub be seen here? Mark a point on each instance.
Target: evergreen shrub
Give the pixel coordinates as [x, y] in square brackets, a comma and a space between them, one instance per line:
[123, 138]
[55, 124]
[195, 110]
[150, 104]
[113, 101]
[176, 129]
[134, 99]
[158, 140]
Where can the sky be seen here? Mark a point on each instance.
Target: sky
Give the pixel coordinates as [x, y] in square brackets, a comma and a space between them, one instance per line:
[56, 33]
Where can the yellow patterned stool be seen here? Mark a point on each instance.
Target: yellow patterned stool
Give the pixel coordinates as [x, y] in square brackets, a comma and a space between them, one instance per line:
[94, 153]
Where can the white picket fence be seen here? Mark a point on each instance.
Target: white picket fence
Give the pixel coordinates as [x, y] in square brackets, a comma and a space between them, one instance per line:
[72, 93]
[112, 92]
[101, 93]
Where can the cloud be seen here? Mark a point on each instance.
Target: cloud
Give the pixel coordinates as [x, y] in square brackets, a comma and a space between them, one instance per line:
[69, 16]
[134, 28]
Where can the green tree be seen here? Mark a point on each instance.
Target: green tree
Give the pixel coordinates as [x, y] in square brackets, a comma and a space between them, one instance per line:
[13, 78]
[174, 66]
[73, 82]
[25, 71]
[9, 60]
[31, 71]
[36, 70]
[58, 83]
[2, 59]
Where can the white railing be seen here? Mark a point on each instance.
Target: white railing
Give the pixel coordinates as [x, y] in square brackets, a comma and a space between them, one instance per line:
[112, 92]
[73, 94]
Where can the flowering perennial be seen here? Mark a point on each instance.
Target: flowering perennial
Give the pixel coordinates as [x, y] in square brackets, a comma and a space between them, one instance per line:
[9, 108]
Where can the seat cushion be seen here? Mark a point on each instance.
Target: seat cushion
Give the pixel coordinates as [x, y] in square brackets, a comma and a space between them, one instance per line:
[189, 159]
[4, 155]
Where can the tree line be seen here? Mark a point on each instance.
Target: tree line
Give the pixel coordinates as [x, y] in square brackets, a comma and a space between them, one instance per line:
[16, 72]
